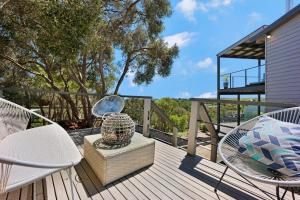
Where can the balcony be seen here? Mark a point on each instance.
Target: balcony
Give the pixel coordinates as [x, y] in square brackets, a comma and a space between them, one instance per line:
[246, 81]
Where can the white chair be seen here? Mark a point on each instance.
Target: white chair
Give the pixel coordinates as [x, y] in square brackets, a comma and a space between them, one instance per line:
[27, 155]
[249, 168]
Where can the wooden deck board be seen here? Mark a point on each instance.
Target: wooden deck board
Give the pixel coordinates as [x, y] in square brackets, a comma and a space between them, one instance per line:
[173, 176]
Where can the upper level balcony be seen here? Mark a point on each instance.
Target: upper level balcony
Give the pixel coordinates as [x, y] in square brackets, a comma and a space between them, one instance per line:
[245, 81]
[248, 80]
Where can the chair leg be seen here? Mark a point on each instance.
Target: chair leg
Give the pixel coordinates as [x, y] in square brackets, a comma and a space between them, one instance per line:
[277, 193]
[34, 190]
[217, 186]
[71, 182]
[293, 193]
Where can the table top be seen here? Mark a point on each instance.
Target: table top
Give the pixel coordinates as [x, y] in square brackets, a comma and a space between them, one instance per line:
[137, 141]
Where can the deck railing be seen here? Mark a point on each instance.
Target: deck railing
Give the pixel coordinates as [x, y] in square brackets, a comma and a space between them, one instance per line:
[244, 77]
[199, 113]
[51, 105]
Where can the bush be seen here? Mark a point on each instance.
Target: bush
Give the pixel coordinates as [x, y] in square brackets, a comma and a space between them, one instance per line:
[203, 128]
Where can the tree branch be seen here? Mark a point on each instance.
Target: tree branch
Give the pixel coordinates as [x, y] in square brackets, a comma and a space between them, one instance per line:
[125, 70]
[24, 68]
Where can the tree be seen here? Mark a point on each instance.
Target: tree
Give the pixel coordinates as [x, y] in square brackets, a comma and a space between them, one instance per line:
[73, 46]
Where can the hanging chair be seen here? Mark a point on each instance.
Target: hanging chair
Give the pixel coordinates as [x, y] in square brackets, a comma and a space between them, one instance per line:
[106, 106]
[249, 168]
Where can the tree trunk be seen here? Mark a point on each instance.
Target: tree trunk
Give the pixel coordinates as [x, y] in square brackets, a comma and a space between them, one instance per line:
[125, 70]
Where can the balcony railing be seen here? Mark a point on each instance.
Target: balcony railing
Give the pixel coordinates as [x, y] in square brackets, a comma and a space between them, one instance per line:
[218, 116]
[244, 77]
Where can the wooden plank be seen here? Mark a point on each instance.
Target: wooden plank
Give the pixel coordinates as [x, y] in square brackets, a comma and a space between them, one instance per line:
[125, 192]
[87, 183]
[146, 191]
[133, 189]
[59, 186]
[245, 186]
[197, 186]
[92, 176]
[83, 195]
[162, 185]
[39, 190]
[217, 167]
[25, 191]
[3, 196]
[115, 192]
[66, 181]
[173, 189]
[14, 195]
[147, 184]
[49, 188]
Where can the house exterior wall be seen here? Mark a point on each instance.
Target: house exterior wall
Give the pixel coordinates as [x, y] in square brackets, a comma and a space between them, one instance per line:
[283, 63]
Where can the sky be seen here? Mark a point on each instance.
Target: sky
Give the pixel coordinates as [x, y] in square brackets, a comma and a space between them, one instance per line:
[201, 29]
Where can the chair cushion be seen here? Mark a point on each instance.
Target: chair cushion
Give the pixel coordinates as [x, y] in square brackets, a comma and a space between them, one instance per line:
[274, 143]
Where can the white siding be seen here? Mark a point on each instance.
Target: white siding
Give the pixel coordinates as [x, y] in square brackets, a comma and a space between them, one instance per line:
[283, 63]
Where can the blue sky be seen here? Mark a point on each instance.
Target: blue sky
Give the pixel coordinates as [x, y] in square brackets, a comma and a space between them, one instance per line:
[201, 29]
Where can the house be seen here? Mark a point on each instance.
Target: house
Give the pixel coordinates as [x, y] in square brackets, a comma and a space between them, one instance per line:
[276, 48]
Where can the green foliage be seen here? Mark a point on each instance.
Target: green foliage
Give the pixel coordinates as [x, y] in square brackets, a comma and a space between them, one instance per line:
[203, 128]
[176, 110]
[74, 46]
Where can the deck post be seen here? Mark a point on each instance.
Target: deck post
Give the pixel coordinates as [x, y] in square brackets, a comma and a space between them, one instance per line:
[258, 107]
[204, 116]
[193, 128]
[238, 110]
[218, 93]
[146, 121]
[174, 137]
[259, 70]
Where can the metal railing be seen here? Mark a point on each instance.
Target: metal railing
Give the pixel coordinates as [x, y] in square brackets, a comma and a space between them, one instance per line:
[244, 77]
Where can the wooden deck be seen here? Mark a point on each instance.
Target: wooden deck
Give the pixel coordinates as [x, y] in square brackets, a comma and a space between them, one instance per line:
[172, 176]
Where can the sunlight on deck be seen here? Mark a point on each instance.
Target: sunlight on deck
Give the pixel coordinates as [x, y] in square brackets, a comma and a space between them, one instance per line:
[172, 176]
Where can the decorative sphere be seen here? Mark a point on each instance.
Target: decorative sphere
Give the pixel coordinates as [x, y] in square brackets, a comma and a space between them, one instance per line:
[117, 130]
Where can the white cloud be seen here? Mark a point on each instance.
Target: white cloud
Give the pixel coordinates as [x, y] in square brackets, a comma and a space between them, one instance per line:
[185, 95]
[203, 64]
[255, 16]
[214, 4]
[188, 8]
[208, 95]
[130, 77]
[180, 39]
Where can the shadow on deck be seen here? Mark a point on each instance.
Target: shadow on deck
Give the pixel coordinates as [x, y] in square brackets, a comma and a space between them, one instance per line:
[172, 176]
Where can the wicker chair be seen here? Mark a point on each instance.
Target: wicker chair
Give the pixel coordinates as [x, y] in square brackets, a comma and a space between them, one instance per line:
[30, 154]
[249, 168]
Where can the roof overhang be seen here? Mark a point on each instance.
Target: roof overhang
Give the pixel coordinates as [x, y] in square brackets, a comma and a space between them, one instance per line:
[282, 20]
[247, 47]
[253, 45]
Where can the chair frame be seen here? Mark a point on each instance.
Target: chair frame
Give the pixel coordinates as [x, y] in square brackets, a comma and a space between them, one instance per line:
[8, 161]
[291, 115]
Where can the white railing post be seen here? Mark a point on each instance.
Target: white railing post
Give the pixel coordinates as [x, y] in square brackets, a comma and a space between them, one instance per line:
[204, 116]
[193, 128]
[174, 136]
[146, 122]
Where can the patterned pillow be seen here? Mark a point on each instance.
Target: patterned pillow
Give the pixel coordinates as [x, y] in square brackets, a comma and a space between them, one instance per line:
[274, 143]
